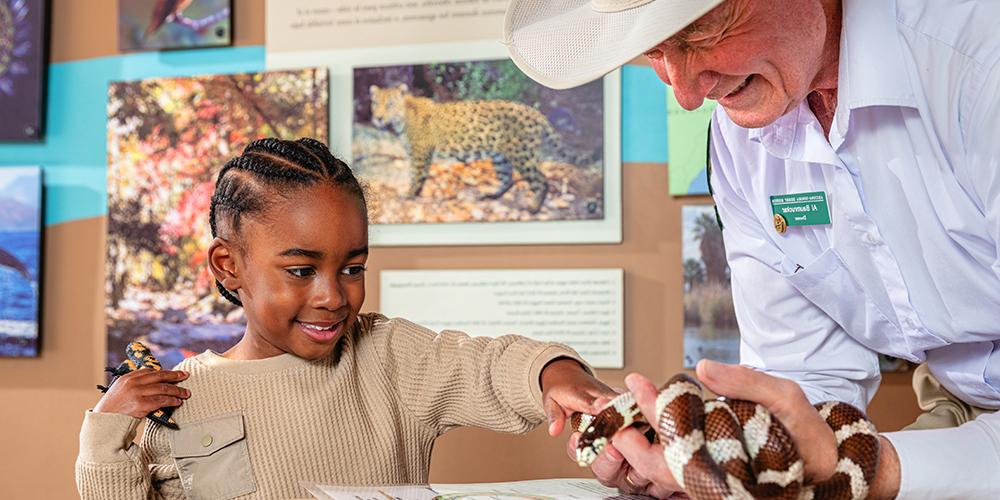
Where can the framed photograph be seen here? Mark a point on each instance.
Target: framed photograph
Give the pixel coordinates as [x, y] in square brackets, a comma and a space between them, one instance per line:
[20, 260]
[173, 24]
[687, 146]
[710, 329]
[493, 159]
[23, 64]
[163, 164]
[476, 141]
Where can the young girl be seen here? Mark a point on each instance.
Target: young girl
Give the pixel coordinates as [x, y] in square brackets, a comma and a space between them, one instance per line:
[314, 390]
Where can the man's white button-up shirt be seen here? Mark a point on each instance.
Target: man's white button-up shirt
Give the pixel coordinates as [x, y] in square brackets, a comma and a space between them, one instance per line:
[909, 264]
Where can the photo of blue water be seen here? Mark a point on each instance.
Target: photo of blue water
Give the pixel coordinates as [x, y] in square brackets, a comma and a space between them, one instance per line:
[20, 260]
[18, 299]
[19, 295]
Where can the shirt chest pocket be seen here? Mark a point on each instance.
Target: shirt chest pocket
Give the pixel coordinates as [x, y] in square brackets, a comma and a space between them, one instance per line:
[212, 458]
[827, 283]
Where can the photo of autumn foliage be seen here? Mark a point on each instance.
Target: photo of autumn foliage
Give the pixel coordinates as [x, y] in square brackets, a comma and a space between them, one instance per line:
[476, 141]
[167, 140]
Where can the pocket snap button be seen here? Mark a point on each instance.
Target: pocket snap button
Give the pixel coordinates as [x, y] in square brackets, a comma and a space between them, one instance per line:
[206, 441]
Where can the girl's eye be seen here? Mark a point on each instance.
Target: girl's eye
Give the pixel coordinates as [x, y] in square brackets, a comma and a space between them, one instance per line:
[301, 272]
[355, 271]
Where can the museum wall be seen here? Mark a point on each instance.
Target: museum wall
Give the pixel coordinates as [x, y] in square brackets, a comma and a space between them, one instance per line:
[42, 400]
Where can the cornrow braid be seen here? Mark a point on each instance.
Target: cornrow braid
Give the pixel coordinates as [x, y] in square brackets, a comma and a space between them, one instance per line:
[265, 166]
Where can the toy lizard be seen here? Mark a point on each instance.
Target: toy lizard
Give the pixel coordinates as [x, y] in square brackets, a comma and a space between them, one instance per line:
[139, 356]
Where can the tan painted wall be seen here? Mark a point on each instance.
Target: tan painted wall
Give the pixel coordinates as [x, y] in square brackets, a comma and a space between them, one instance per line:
[42, 400]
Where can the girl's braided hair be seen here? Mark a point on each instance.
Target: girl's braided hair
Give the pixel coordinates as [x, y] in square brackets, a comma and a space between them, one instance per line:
[273, 166]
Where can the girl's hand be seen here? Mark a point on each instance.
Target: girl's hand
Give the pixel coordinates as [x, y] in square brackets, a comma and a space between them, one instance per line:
[568, 388]
[143, 391]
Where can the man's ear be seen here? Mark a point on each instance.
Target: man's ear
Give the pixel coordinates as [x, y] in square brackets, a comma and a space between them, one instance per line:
[222, 263]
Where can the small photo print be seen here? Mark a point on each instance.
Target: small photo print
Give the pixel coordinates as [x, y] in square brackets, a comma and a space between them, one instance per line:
[476, 141]
[173, 24]
[710, 330]
[23, 51]
[20, 259]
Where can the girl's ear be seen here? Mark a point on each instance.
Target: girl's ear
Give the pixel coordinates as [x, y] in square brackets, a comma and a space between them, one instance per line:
[222, 262]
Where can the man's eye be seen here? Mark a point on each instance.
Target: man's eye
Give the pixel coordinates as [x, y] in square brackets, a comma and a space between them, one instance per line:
[354, 270]
[654, 54]
[301, 272]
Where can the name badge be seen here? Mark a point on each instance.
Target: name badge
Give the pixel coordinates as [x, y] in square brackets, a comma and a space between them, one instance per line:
[799, 209]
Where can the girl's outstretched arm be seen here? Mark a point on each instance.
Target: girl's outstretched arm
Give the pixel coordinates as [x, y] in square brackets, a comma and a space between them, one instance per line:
[450, 379]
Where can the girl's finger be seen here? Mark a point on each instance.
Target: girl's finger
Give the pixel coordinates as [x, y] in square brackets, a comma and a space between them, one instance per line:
[147, 375]
[598, 405]
[154, 403]
[156, 389]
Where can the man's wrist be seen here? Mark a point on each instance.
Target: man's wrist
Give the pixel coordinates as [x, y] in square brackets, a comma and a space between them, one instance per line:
[887, 476]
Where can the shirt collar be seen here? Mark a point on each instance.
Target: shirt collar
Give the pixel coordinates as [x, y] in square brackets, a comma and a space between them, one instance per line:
[871, 73]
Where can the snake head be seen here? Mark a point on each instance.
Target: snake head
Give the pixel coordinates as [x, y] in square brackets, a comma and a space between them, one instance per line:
[596, 432]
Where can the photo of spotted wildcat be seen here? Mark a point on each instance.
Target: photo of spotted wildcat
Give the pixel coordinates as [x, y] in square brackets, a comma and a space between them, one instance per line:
[476, 142]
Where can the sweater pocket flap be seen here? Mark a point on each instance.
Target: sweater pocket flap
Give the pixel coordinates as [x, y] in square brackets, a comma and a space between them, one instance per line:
[203, 438]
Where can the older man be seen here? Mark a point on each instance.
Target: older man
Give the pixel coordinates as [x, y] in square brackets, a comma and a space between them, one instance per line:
[884, 116]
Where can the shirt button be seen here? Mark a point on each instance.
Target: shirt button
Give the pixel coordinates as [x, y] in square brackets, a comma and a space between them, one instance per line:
[872, 239]
[206, 441]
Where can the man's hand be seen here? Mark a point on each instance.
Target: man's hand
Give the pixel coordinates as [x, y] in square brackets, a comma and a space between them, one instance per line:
[568, 388]
[813, 437]
[815, 440]
[631, 475]
[143, 391]
[630, 463]
[634, 465]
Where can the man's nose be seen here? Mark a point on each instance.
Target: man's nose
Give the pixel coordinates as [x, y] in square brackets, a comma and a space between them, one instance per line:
[691, 81]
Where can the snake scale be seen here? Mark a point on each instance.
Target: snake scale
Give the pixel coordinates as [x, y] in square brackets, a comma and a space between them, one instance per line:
[734, 449]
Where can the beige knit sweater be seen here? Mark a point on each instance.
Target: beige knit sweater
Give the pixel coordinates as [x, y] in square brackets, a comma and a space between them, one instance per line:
[369, 414]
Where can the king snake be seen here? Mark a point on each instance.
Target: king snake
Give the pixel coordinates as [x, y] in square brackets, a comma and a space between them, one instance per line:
[734, 449]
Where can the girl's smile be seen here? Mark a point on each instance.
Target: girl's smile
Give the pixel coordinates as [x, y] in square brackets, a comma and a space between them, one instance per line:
[323, 331]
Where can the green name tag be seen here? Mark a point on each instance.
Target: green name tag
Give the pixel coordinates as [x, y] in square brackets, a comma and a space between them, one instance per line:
[802, 209]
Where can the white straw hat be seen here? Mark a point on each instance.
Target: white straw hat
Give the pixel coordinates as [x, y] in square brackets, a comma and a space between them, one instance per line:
[565, 43]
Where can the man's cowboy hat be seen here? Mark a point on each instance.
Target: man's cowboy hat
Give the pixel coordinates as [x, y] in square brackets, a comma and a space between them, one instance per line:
[565, 43]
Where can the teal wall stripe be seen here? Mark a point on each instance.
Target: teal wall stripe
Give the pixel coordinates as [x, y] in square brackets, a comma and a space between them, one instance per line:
[73, 155]
[644, 116]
